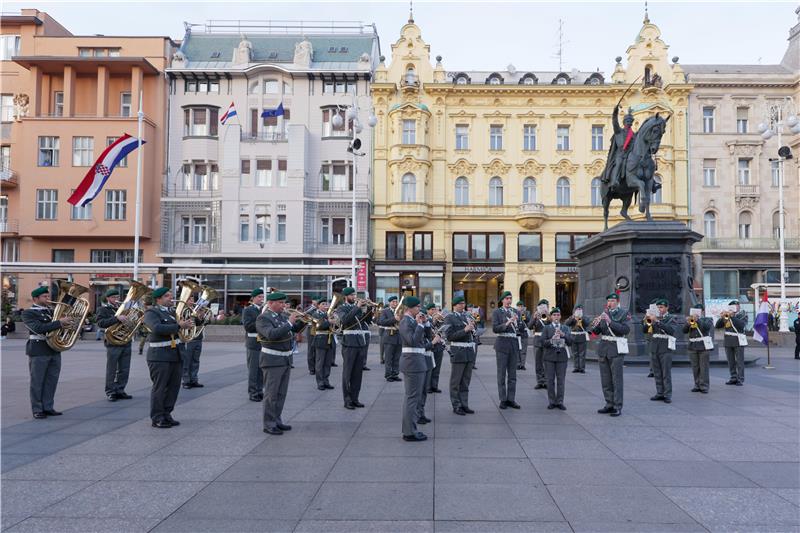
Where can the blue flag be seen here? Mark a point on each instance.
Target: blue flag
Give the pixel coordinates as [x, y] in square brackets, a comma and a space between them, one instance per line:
[277, 112]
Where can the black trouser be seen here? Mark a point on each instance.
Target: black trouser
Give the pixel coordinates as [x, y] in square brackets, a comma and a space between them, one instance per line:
[797, 348]
[166, 377]
[556, 373]
[579, 349]
[311, 358]
[437, 369]
[460, 376]
[191, 360]
[44, 370]
[391, 355]
[322, 363]
[255, 379]
[735, 356]
[538, 356]
[118, 367]
[354, 357]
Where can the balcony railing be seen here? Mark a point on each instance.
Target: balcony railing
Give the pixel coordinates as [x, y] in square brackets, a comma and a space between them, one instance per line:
[410, 255]
[748, 244]
[8, 177]
[266, 136]
[531, 208]
[747, 190]
[335, 249]
[9, 226]
[190, 248]
[181, 191]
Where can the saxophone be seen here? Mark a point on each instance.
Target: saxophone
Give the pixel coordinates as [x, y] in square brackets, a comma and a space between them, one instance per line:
[122, 333]
[71, 303]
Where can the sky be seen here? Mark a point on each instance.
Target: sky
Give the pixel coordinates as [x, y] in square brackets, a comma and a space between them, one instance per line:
[472, 35]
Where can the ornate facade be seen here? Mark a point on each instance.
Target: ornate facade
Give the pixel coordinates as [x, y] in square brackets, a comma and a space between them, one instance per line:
[484, 181]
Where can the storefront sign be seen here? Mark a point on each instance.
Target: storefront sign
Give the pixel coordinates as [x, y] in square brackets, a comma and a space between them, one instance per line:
[112, 275]
[361, 275]
[566, 269]
[487, 269]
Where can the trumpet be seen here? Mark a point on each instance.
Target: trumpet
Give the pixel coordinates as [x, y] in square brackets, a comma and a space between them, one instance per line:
[726, 315]
[361, 302]
[303, 317]
[692, 321]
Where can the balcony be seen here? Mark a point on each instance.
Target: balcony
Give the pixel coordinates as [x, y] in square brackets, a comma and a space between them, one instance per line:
[264, 136]
[180, 190]
[335, 250]
[190, 248]
[408, 215]
[747, 191]
[9, 227]
[8, 178]
[419, 256]
[530, 216]
[737, 245]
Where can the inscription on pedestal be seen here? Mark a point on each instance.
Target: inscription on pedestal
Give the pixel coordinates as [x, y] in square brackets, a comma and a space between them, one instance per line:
[658, 277]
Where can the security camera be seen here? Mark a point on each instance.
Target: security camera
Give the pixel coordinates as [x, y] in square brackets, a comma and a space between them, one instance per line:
[785, 152]
[354, 146]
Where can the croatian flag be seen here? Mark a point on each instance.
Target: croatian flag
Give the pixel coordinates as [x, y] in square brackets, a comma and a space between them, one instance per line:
[277, 112]
[761, 325]
[98, 174]
[231, 112]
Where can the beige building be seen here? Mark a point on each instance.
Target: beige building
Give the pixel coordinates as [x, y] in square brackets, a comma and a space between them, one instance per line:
[64, 99]
[734, 173]
[484, 181]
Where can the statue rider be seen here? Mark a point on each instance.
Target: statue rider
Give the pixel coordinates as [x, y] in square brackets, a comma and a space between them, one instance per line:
[621, 146]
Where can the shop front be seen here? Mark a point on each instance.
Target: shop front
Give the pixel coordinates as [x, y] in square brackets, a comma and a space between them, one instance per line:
[426, 282]
[480, 285]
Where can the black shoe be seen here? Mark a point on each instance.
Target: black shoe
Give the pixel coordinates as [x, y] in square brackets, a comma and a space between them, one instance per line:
[284, 427]
[656, 398]
[523, 367]
[459, 411]
[124, 396]
[583, 371]
[187, 385]
[468, 410]
[198, 385]
[349, 405]
[163, 424]
[562, 407]
[738, 384]
[112, 397]
[667, 400]
[551, 406]
[651, 375]
[695, 389]
[390, 379]
[606, 410]
[273, 431]
[437, 390]
[328, 386]
[312, 372]
[171, 420]
[321, 387]
[255, 399]
[576, 370]
[702, 391]
[397, 379]
[513, 405]
[616, 412]
[422, 421]
[540, 386]
[416, 437]
[731, 382]
[365, 368]
[291, 366]
[503, 405]
[39, 415]
[52, 412]
[334, 364]
[358, 404]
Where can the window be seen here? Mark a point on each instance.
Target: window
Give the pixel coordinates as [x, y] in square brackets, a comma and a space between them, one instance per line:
[566, 243]
[460, 246]
[562, 137]
[597, 137]
[244, 224]
[396, 245]
[462, 137]
[339, 230]
[281, 228]
[409, 191]
[326, 229]
[774, 168]
[744, 171]
[272, 87]
[479, 246]
[462, 191]
[495, 191]
[423, 245]
[4, 210]
[529, 191]
[82, 151]
[327, 87]
[709, 172]
[745, 224]
[561, 81]
[199, 230]
[409, 131]
[495, 137]
[5, 157]
[708, 120]
[529, 247]
[263, 173]
[49, 151]
[776, 225]
[200, 122]
[282, 182]
[462, 80]
[116, 204]
[710, 224]
[81, 213]
[529, 137]
[124, 161]
[597, 196]
[46, 204]
[9, 46]
[658, 197]
[58, 104]
[263, 224]
[328, 129]
[125, 104]
[6, 108]
[63, 256]
[529, 80]
[495, 80]
[337, 176]
[245, 166]
[113, 256]
[411, 75]
[562, 192]
[741, 119]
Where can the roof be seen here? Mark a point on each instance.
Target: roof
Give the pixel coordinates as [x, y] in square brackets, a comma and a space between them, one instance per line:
[735, 69]
[512, 78]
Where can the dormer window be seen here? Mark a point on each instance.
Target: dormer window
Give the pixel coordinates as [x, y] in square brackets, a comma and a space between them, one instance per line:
[495, 79]
[595, 79]
[561, 79]
[462, 79]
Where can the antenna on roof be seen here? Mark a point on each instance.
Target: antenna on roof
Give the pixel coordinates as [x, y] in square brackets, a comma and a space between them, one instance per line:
[411, 11]
[560, 48]
[646, 16]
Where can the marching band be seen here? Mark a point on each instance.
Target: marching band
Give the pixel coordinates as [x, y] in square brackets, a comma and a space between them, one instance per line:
[413, 342]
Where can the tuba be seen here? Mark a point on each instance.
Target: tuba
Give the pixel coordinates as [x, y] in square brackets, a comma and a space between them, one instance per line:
[197, 312]
[122, 333]
[71, 303]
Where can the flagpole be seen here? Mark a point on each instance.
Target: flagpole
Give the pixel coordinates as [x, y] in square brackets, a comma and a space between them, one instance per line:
[137, 216]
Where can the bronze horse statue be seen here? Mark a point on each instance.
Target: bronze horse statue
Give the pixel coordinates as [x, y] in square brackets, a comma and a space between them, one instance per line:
[636, 181]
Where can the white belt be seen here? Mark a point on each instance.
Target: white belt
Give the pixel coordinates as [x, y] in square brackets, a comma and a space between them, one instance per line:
[609, 338]
[699, 339]
[580, 332]
[414, 350]
[660, 336]
[537, 334]
[276, 352]
[356, 332]
[428, 353]
[35, 337]
[732, 334]
[390, 328]
[512, 335]
[320, 333]
[462, 344]
[252, 334]
[164, 344]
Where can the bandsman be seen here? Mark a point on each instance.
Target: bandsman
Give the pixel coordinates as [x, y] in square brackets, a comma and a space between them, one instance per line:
[311, 359]
[255, 380]
[611, 325]
[461, 335]
[538, 322]
[700, 331]
[579, 324]
[413, 366]
[191, 357]
[734, 322]
[355, 343]
[390, 341]
[118, 358]
[662, 344]
[556, 337]
[437, 322]
[506, 347]
[523, 333]
[324, 346]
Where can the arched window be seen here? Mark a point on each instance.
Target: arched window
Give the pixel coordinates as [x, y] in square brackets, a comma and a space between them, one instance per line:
[745, 224]
[409, 192]
[529, 191]
[562, 191]
[462, 191]
[776, 225]
[561, 81]
[529, 79]
[495, 191]
[597, 198]
[411, 75]
[658, 196]
[710, 224]
[494, 79]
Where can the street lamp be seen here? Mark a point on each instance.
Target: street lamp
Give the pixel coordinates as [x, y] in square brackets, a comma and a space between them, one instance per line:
[352, 114]
[776, 119]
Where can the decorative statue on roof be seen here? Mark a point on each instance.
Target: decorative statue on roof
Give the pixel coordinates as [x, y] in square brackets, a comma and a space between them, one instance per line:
[303, 53]
[243, 53]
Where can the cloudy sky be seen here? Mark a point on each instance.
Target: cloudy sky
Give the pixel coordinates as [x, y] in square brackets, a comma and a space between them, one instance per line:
[483, 35]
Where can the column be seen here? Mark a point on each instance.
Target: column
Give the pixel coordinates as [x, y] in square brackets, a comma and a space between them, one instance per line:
[69, 90]
[36, 97]
[137, 84]
[102, 91]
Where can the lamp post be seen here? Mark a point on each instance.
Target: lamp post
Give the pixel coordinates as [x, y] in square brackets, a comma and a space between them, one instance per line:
[776, 119]
[352, 113]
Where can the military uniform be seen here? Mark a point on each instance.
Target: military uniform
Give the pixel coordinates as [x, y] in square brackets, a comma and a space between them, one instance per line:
[661, 355]
[555, 362]
[44, 362]
[537, 326]
[796, 329]
[355, 343]
[164, 362]
[610, 360]
[462, 358]
[118, 358]
[414, 367]
[698, 353]
[276, 360]
[506, 347]
[324, 350]
[734, 353]
[311, 358]
[580, 340]
[391, 343]
[523, 317]
[191, 361]
[255, 380]
[438, 355]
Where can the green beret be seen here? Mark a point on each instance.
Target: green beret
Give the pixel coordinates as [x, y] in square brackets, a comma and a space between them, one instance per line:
[662, 301]
[411, 301]
[322, 301]
[733, 302]
[111, 292]
[348, 291]
[256, 292]
[276, 296]
[555, 310]
[392, 298]
[458, 300]
[159, 292]
[38, 292]
[543, 302]
[698, 306]
[579, 306]
[430, 306]
[520, 302]
[613, 296]
[505, 295]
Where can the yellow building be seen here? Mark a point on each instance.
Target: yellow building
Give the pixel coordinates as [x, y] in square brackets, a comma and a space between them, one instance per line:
[483, 181]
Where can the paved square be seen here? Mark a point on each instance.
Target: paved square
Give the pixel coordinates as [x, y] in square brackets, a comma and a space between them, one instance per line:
[726, 461]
